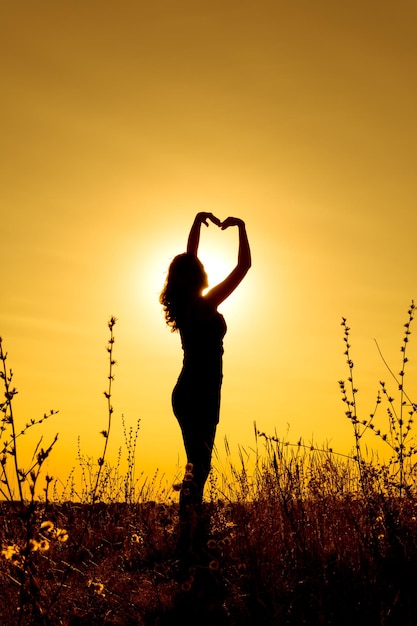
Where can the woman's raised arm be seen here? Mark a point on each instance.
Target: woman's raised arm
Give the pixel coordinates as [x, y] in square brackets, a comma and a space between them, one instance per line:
[194, 236]
[221, 291]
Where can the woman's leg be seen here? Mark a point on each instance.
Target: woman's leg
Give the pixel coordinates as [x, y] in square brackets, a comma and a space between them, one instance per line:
[198, 442]
[194, 523]
[198, 421]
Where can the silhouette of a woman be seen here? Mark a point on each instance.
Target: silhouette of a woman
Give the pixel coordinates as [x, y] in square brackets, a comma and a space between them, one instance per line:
[196, 396]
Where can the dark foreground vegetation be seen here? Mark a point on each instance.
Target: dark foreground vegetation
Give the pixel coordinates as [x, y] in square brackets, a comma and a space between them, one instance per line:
[305, 537]
[289, 557]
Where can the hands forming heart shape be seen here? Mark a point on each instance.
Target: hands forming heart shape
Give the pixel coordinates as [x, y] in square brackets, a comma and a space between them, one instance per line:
[229, 221]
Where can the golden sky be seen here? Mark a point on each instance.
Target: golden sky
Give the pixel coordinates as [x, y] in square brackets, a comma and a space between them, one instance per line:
[120, 121]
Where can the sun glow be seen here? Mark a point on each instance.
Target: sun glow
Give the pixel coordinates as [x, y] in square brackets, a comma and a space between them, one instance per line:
[217, 267]
[218, 253]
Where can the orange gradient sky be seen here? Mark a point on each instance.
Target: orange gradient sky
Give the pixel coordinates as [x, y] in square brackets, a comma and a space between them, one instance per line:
[120, 121]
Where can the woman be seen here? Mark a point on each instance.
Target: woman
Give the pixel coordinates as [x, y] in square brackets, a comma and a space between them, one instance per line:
[196, 396]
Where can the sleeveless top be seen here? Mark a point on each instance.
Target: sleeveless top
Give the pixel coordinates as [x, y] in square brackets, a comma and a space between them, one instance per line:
[202, 335]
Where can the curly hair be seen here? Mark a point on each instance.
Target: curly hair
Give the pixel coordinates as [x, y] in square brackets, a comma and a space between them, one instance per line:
[186, 277]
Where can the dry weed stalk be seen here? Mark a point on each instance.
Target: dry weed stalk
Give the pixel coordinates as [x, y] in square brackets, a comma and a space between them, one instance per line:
[18, 476]
[399, 434]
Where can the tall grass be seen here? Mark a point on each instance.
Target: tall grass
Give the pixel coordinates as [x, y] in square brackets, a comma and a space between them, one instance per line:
[298, 535]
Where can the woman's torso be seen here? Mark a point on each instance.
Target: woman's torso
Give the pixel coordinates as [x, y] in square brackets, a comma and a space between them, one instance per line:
[202, 331]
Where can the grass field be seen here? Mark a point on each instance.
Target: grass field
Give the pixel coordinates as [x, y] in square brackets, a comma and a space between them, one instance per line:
[302, 550]
[307, 536]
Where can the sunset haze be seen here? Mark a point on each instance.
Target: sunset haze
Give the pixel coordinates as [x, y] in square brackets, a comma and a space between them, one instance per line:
[121, 121]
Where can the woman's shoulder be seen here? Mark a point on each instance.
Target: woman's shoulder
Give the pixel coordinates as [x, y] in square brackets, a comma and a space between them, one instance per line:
[203, 309]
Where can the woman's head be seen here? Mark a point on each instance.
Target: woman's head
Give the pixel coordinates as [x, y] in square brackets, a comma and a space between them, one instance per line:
[187, 271]
[186, 279]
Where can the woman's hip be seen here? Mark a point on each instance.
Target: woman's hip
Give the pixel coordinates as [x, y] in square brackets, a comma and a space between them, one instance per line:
[190, 402]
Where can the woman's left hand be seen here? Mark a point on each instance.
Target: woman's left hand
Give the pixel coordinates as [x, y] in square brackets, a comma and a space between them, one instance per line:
[232, 221]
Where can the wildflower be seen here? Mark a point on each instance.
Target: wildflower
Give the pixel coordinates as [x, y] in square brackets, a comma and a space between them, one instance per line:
[189, 467]
[214, 565]
[187, 584]
[62, 535]
[97, 587]
[225, 542]
[33, 545]
[135, 538]
[43, 545]
[381, 537]
[188, 477]
[212, 544]
[10, 552]
[47, 526]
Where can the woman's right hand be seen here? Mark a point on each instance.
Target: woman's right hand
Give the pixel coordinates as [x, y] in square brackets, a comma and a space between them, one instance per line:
[203, 217]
